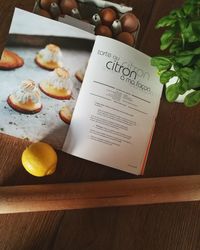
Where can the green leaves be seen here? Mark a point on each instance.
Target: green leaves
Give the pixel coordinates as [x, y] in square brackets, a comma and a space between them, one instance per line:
[172, 92]
[166, 21]
[166, 76]
[197, 63]
[162, 63]
[196, 28]
[188, 8]
[196, 51]
[185, 73]
[192, 99]
[182, 39]
[184, 76]
[182, 87]
[194, 81]
[167, 38]
[188, 32]
[175, 47]
[184, 59]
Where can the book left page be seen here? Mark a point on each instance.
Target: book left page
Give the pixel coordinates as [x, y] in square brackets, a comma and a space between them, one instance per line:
[41, 71]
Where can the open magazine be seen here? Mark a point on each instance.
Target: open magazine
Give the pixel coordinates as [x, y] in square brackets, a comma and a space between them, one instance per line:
[92, 97]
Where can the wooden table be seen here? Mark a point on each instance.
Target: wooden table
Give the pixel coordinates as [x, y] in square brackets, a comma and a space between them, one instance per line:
[175, 150]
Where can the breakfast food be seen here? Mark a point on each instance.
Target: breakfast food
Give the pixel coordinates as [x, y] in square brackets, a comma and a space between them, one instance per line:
[58, 84]
[103, 30]
[66, 114]
[80, 73]
[108, 15]
[67, 6]
[26, 99]
[126, 38]
[10, 60]
[129, 22]
[49, 58]
[46, 4]
[109, 19]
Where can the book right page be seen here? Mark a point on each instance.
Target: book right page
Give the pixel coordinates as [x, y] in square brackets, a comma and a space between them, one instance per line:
[116, 109]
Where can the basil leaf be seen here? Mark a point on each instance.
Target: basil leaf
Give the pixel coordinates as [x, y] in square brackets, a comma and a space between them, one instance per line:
[166, 38]
[166, 76]
[190, 52]
[194, 80]
[177, 66]
[188, 8]
[162, 63]
[197, 63]
[184, 59]
[183, 23]
[166, 21]
[196, 51]
[196, 28]
[180, 13]
[175, 47]
[172, 92]
[192, 99]
[185, 73]
[182, 87]
[188, 33]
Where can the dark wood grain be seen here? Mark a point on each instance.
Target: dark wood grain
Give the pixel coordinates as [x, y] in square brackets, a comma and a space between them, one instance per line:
[151, 38]
[6, 12]
[174, 151]
[25, 5]
[29, 231]
[166, 227]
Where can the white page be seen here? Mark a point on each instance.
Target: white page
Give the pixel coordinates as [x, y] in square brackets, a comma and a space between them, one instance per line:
[116, 108]
[39, 25]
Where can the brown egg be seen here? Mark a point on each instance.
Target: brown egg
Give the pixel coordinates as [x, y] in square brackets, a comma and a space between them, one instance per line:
[44, 13]
[108, 15]
[129, 22]
[103, 30]
[66, 6]
[45, 4]
[126, 37]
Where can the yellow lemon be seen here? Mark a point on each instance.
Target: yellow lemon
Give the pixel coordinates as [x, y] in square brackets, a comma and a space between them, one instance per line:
[39, 159]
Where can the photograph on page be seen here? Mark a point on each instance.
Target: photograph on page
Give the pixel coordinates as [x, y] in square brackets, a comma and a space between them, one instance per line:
[41, 72]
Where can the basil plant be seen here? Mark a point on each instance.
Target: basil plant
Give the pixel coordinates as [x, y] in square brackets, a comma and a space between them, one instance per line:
[181, 39]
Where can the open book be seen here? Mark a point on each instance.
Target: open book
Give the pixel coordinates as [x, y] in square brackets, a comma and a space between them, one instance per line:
[114, 108]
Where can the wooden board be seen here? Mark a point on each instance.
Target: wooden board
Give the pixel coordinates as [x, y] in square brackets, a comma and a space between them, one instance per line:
[68, 196]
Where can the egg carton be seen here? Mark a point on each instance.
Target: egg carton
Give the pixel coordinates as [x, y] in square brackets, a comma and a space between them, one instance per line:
[86, 16]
